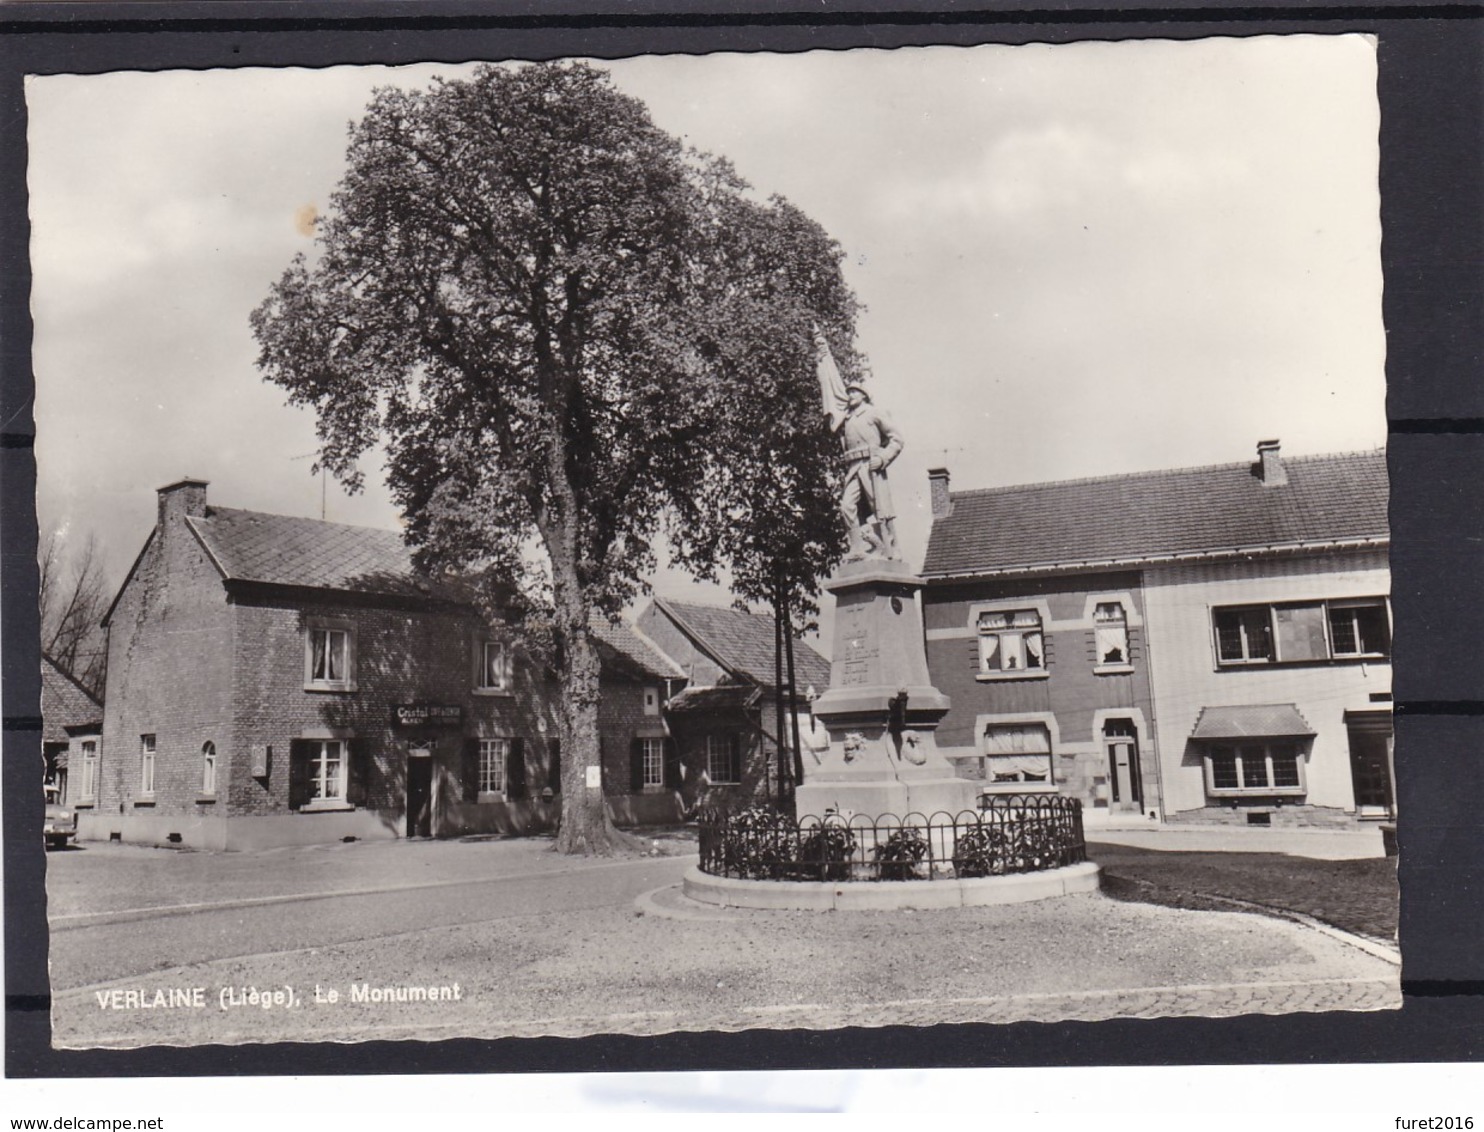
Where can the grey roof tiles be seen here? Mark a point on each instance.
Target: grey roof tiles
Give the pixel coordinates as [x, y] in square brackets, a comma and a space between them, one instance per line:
[1251, 721]
[64, 703]
[1327, 499]
[742, 642]
[290, 551]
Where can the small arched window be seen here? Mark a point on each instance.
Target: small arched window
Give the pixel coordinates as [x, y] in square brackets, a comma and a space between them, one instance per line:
[208, 767]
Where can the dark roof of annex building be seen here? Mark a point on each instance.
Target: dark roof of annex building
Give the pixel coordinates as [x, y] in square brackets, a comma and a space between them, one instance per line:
[742, 642]
[1150, 516]
[635, 648]
[721, 697]
[64, 703]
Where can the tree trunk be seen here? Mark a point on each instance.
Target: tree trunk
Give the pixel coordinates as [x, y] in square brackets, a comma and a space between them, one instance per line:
[585, 826]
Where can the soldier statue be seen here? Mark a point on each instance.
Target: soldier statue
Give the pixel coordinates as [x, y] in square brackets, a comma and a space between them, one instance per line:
[871, 443]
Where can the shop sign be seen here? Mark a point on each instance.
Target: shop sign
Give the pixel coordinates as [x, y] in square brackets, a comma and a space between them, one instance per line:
[427, 715]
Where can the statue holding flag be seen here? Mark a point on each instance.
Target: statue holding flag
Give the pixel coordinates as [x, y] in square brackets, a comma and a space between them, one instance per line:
[871, 443]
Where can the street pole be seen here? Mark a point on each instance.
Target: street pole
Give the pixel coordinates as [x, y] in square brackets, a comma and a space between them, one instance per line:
[793, 703]
[781, 747]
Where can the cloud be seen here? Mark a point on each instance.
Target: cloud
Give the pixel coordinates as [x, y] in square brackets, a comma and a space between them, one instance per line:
[1059, 169]
[1078, 259]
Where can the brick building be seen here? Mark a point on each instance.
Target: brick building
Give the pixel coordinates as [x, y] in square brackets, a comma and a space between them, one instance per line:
[642, 773]
[725, 719]
[71, 729]
[1209, 644]
[278, 680]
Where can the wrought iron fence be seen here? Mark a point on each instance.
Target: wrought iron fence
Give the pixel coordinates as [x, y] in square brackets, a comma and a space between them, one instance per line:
[1012, 833]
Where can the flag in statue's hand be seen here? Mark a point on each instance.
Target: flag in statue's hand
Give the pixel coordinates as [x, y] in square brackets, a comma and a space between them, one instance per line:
[831, 385]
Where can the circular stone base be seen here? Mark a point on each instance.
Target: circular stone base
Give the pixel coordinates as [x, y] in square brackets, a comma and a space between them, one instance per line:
[889, 895]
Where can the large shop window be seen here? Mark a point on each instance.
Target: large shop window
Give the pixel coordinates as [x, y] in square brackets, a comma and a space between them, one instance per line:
[1300, 632]
[1271, 768]
[1010, 642]
[1017, 754]
[724, 759]
[329, 658]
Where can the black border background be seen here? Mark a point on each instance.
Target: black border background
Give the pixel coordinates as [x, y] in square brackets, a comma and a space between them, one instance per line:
[1431, 87]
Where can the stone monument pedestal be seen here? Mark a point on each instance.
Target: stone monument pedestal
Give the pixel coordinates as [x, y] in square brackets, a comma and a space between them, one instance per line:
[881, 709]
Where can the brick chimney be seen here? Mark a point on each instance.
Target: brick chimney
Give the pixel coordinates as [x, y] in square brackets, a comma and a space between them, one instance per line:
[183, 497]
[938, 492]
[1270, 465]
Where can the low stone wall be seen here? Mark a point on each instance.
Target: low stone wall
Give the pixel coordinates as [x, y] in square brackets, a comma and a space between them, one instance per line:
[1278, 817]
[915, 895]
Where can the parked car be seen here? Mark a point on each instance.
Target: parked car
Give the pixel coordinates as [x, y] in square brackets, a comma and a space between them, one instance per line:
[61, 822]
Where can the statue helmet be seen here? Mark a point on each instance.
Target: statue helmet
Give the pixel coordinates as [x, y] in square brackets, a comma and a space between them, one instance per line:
[859, 388]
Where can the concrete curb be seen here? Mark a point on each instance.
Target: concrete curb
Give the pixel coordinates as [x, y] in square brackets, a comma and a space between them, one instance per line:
[918, 895]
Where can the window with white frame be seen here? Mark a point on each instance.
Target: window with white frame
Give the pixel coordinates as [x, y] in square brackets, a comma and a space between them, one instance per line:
[1110, 632]
[495, 669]
[1359, 628]
[89, 768]
[722, 759]
[1017, 753]
[208, 767]
[1011, 641]
[1270, 767]
[329, 655]
[651, 699]
[146, 765]
[1302, 632]
[654, 762]
[493, 755]
[327, 770]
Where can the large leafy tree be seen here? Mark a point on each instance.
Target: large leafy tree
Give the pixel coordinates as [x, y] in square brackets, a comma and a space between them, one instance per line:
[549, 312]
[767, 503]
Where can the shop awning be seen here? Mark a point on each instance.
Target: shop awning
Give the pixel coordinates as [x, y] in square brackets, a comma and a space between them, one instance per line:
[1251, 721]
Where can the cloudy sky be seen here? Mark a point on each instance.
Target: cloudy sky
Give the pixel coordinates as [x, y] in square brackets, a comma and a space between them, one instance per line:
[1077, 260]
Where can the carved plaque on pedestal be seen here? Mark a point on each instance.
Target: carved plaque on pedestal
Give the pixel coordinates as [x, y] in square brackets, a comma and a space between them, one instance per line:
[881, 708]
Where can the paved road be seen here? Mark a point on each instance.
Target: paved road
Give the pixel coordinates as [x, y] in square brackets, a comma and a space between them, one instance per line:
[537, 944]
[170, 910]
